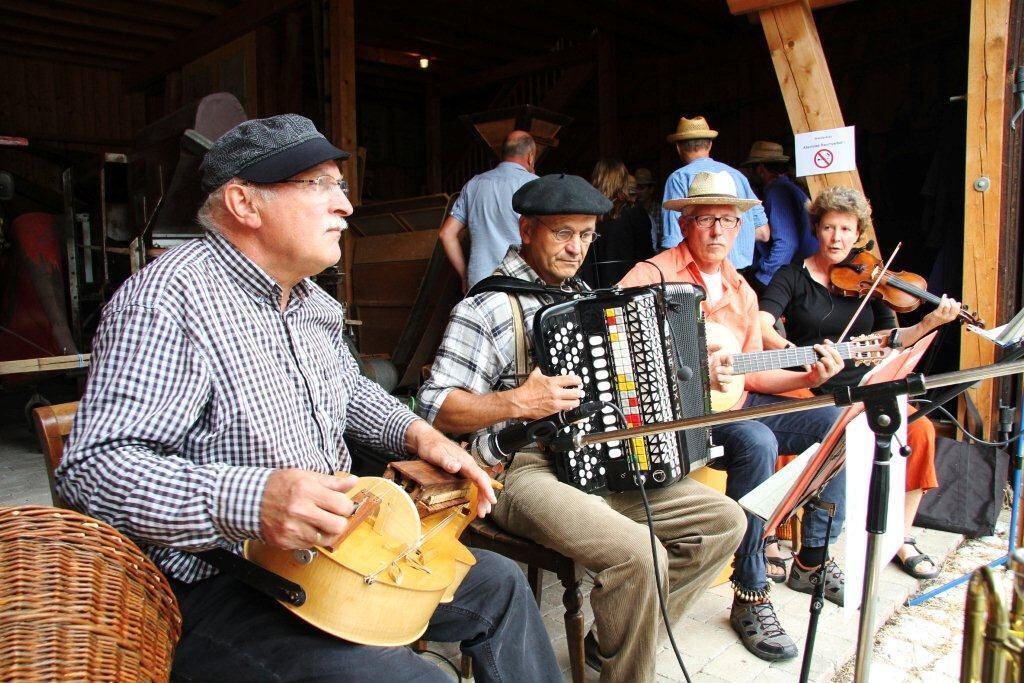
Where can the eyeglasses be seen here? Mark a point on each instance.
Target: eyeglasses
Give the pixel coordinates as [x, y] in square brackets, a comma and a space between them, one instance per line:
[706, 222]
[322, 184]
[566, 234]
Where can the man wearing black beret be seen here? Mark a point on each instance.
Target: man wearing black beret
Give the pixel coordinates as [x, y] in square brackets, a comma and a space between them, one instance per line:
[220, 393]
[481, 379]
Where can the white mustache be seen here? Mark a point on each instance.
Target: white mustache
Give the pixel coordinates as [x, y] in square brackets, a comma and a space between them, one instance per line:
[340, 224]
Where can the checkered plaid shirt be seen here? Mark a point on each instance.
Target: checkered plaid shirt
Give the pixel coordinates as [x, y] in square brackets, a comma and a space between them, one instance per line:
[200, 388]
[478, 352]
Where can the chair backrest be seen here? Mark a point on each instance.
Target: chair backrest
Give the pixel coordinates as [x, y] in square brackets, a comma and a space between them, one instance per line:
[53, 424]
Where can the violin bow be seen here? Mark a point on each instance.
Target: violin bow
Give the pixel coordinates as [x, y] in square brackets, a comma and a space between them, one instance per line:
[871, 290]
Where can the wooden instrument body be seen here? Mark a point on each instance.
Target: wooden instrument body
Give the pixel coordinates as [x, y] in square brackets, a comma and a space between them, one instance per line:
[381, 584]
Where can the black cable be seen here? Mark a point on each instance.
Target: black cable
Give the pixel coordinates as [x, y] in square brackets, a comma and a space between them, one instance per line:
[969, 435]
[638, 477]
[438, 655]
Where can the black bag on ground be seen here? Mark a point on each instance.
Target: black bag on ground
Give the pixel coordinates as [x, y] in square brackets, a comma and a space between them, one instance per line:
[970, 494]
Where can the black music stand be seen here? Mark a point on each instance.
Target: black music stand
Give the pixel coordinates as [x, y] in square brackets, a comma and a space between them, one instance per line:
[877, 397]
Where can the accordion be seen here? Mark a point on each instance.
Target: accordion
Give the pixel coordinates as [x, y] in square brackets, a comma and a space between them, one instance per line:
[642, 349]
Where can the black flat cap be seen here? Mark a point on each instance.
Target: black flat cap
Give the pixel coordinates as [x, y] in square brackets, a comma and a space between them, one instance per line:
[560, 194]
[267, 151]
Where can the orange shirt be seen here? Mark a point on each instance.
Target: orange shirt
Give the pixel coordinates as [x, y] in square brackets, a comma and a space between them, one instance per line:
[736, 310]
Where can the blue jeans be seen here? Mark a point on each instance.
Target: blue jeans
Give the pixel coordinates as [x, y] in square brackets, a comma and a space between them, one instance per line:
[751, 448]
[233, 633]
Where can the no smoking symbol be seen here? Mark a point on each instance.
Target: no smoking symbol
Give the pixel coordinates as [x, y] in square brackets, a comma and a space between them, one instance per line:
[823, 158]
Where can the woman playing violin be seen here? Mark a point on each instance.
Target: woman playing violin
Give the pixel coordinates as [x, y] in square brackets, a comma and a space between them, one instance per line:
[814, 311]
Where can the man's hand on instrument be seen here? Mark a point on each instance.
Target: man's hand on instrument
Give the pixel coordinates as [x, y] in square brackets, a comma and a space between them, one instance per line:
[720, 370]
[828, 365]
[947, 311]
[540, 395]
[437, 449]
[301, 509]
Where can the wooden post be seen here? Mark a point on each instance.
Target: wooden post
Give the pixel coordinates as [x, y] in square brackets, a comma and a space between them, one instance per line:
[433, 121]
[987, 88]
[804, 78]
[607, 96]
[342, 94]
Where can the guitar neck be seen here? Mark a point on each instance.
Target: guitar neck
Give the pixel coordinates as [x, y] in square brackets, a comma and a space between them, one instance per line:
[759, 361]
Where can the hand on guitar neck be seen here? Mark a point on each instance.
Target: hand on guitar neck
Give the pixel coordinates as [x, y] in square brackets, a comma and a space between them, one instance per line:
[727, 366]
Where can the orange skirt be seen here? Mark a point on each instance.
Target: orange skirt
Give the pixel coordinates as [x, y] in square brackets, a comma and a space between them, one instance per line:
[921, 462]
[920, 438]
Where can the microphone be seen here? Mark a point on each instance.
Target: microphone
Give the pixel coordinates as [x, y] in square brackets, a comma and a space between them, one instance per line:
[502, 445]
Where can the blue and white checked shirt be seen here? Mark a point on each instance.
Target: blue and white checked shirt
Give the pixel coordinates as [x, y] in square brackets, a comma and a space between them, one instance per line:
[478, 352]
[201, 387]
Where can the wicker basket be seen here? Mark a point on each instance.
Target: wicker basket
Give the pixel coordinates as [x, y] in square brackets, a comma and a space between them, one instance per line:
[79, 601]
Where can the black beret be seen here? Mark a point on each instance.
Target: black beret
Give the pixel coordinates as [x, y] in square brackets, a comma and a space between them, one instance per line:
[560, 195]
[267, 151]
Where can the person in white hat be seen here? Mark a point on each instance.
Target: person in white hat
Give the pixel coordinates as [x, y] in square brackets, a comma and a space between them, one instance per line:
[785, 203]
[710, 219]
[693, 139]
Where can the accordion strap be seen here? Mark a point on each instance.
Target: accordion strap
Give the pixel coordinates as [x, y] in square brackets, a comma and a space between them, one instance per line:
[514, 285]
[519, 334]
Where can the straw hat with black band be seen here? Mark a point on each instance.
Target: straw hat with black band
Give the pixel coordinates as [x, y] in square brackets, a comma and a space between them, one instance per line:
[692, 129]
[764, 152]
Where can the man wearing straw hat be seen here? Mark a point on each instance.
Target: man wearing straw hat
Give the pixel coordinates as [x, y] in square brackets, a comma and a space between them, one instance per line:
[710, 221]
[785, 203]
[693, 139]
[220, 393]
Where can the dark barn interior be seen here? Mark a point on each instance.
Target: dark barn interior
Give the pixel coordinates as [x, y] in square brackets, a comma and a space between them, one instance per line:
[95, 96]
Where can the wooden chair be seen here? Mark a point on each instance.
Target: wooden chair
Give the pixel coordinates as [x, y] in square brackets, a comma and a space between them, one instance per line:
[486, 535]
[53, 424]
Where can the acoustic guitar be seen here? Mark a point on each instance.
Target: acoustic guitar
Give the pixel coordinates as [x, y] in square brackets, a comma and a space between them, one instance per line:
[868, 349]
[381, 581]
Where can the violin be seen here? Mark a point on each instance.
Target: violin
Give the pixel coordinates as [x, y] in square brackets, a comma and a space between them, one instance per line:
[902, 291]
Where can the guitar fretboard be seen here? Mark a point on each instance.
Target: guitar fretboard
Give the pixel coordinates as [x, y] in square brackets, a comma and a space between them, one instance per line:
[759, 361]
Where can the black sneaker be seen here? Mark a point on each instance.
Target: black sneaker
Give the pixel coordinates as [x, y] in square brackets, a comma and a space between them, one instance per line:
[804, 580]
[591, 652]
[760, 630]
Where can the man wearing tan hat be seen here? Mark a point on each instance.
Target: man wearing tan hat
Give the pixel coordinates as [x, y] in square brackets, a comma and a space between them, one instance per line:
[693, 143]
[710, 221]
[785, 203]
[647, 199]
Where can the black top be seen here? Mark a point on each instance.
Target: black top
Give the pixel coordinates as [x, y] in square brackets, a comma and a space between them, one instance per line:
[814, 314]
[626, 239]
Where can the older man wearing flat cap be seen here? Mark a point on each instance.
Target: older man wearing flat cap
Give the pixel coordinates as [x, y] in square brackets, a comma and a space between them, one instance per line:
[693, 139]
[219, 394]
[482, 379]
[711, 216]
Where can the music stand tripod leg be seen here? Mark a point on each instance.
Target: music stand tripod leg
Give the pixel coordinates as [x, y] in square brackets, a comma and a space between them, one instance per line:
[818, 597]
[883, 417]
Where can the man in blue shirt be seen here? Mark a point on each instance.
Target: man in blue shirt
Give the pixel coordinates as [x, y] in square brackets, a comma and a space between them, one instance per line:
[785, 204]
[485, 207]
[693, 143]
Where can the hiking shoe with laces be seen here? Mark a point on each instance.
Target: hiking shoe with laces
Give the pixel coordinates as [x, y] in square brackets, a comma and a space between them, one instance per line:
[760, 630]
[804, 580]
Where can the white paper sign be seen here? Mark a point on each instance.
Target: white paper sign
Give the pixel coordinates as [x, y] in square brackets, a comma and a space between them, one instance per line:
[825, 151]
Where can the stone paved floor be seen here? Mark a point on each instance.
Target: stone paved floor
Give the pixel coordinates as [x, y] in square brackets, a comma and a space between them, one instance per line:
[922, 644]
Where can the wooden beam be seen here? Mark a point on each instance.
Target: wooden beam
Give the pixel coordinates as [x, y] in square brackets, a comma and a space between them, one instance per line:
[75, 17]
[607, 97]
[122, 9]
[62, 56]
[747, 6]
[79, 47]
[205, 7]
[68, 32]
[573, 55]
[341, 90]
[983, 184]
[807, 88]
[227, 27]
[435, 176]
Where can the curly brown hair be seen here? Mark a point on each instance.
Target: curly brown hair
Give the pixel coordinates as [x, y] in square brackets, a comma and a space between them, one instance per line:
[841, 199]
